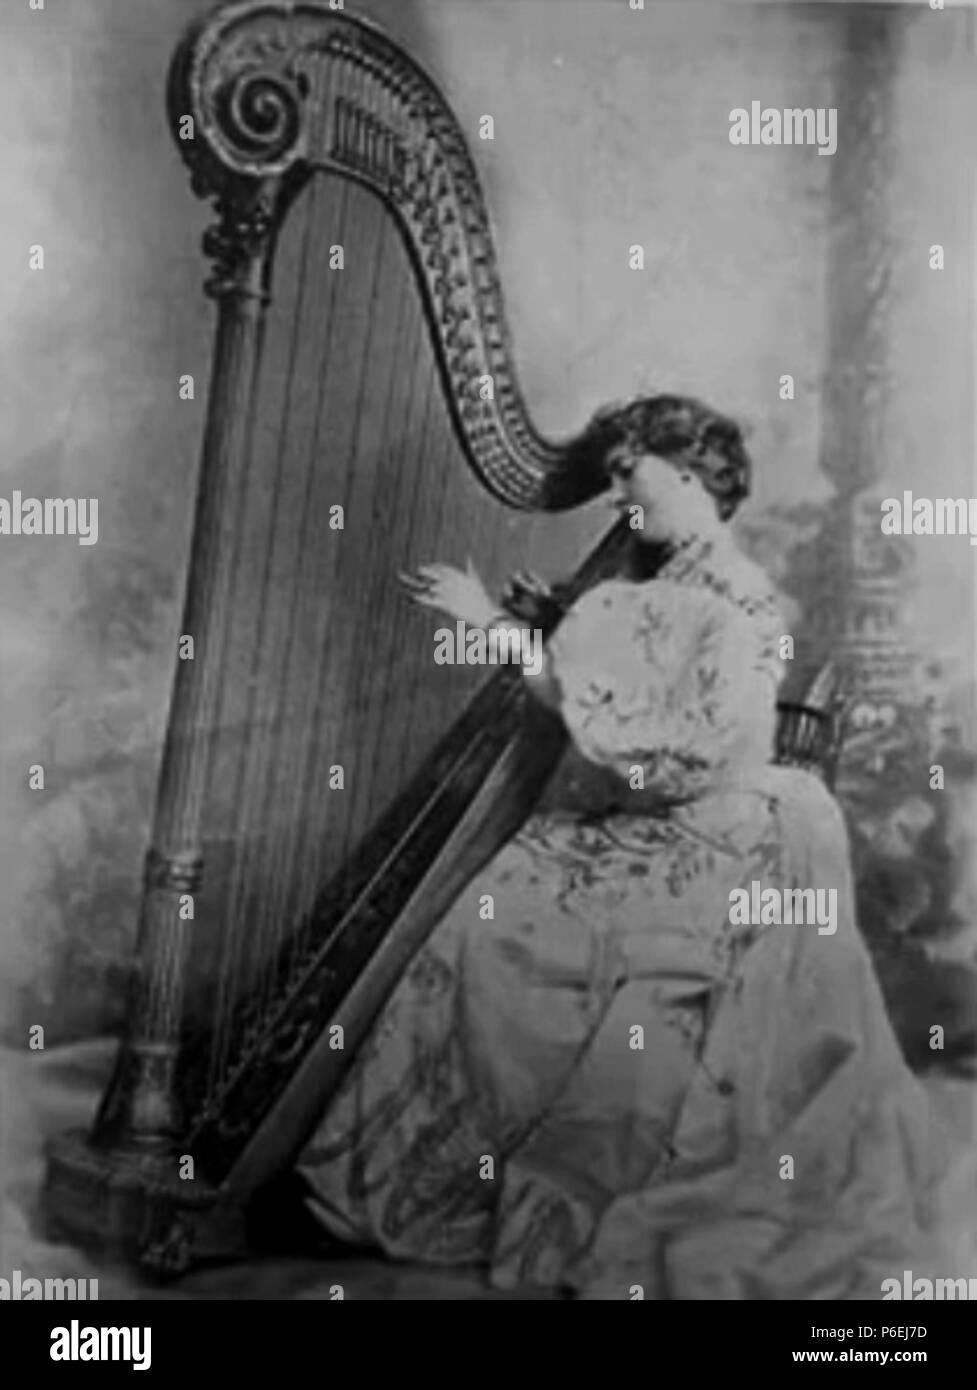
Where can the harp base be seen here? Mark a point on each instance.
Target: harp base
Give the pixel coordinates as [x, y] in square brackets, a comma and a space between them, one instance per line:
[131, 1206]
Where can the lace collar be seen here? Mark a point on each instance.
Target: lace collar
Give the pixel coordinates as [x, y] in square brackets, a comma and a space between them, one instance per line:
[714, 565]
[693, 559]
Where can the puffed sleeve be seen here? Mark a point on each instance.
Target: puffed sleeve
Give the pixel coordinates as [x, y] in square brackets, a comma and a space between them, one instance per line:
[668, 677]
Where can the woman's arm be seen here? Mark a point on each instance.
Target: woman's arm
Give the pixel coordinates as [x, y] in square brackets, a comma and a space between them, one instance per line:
[462, 594]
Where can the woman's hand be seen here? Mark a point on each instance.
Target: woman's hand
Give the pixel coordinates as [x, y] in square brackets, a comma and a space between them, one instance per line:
[531, 599]
[458, 592]
[527, 597]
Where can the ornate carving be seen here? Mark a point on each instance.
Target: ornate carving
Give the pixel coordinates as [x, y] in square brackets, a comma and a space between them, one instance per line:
[263, 111]
[238, 244]
[280, 91]
[170, 1253]
[136, 1204]
[141, 1109]
[178, 873]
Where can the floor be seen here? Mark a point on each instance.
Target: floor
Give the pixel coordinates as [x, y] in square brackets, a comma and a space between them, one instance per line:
[43, 1093]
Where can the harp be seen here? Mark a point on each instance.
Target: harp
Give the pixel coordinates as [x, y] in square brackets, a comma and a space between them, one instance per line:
[313, 817]
[325, 789]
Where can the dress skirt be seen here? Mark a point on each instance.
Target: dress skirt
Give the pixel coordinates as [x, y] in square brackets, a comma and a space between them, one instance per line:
[590, 1080]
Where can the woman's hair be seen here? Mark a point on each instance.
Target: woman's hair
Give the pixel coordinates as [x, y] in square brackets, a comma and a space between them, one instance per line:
[683, 432]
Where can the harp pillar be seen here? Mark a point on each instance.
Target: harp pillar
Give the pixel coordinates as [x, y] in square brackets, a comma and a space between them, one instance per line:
[140, 1121]
[141, 1108]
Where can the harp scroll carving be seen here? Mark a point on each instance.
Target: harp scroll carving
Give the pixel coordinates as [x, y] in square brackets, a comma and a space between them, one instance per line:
[277, 92]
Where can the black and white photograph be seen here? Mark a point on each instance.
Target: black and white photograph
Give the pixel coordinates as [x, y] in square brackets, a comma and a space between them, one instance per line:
[488, 660]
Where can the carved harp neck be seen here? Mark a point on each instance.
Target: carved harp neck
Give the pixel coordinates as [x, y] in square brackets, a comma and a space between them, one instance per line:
[279, 91]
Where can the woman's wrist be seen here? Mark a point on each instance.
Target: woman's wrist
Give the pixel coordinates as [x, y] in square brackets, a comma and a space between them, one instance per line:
[490, 615]
[501, 617]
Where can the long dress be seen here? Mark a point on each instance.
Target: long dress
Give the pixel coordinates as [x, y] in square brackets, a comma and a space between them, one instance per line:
[590, 1079]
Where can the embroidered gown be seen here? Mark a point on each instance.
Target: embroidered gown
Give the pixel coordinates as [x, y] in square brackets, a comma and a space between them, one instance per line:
[608, 1088]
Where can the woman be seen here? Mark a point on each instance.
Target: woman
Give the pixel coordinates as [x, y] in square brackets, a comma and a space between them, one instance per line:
[592, 1079]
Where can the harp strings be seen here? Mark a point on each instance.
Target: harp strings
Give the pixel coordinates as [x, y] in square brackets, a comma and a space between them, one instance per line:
[314, 603]
[338, 666]
[444, 532]
[259, 712]
[257, 829]
[391, 621]
[396, 699]
[430, 540]
[254, 826]
[368, 569]
[340, 643]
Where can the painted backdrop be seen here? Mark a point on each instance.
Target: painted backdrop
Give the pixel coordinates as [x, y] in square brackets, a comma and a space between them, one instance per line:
[611, 129]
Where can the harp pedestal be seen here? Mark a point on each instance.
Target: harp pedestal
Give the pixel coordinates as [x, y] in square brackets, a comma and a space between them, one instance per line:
[132, 1206]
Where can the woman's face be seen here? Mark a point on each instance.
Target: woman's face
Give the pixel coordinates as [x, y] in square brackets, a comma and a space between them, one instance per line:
[674, 503]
